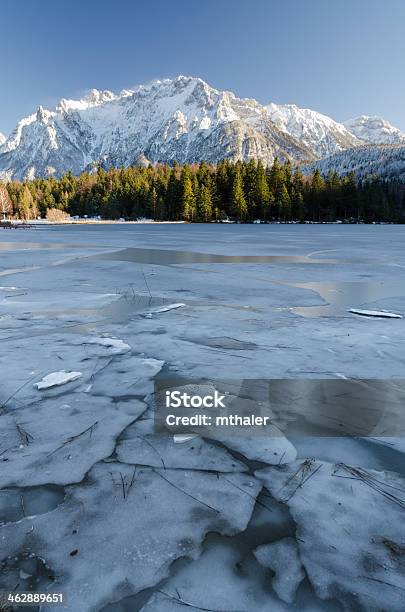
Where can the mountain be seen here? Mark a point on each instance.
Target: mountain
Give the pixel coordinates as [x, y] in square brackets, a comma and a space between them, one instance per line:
[2, 139]
[375, 130]
[386, 161]
[181, 119]
[320, 133]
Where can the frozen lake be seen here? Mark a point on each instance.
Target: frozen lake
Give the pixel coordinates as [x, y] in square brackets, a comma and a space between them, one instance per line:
[83, 477]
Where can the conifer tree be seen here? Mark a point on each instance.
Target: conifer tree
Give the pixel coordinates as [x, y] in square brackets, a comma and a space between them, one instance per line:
[263, 197]
[287, 178]
[173, 197]
[187, 197]
[205, 192]
[297, 197]
[317, 187]
[238, 202]
[285, 203]
[204, 203]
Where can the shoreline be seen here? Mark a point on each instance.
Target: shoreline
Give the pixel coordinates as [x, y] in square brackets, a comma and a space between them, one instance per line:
[43, 222]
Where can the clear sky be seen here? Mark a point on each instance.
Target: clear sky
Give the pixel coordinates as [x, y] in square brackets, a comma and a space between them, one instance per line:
[340, 57]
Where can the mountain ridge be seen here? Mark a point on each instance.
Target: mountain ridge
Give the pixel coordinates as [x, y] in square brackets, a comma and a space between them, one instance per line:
[320, 133]
[375, 130]
[182, 119]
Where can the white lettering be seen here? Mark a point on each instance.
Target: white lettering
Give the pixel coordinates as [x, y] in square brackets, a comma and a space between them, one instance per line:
[176, 399]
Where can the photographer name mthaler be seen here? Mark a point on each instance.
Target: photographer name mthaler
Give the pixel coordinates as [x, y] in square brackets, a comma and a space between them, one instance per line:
[230, 420]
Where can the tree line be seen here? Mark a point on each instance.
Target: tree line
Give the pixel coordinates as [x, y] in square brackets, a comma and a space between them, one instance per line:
[242, 191]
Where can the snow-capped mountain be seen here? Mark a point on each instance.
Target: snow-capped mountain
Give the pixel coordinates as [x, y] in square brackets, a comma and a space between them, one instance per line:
[320, 133]
[181, 119]
[375, 130]
[2, 139]
[387, 161]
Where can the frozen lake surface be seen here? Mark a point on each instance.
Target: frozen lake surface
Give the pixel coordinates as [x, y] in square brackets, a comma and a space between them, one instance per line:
[93, 504]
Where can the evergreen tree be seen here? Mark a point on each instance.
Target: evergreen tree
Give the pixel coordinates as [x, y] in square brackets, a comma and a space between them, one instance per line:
[204, 203]
[238, 202]
[206, 192]
[263, 197]
[285, 203]
[173, 203]
[276, 182]
[317, 188]
[188, 200]
[297, 197]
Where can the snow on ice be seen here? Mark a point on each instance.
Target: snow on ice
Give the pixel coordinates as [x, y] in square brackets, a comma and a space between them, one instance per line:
[54, 379]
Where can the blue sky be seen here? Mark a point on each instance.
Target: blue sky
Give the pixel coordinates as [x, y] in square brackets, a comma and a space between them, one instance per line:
[340, 57]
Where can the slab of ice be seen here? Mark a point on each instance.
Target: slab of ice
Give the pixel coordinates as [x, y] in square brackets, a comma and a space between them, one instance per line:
[181, 438]
[57, 440]
[50, 300]
[127, 375]
[350, 530]
[283, 558]
[42, 354]
[273, 450]
[384, 314]
[115, 344]
[119, 532]
[166, 308]
[214, 583]
[161, 451]
[54, 379]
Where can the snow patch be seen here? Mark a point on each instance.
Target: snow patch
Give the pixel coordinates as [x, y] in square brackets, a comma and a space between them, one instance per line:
[375, 130]
[164, 309]
[57, 378]
[375, 313]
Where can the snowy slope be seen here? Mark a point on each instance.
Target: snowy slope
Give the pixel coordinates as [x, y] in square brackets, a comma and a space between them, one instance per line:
[181, 119]
[387, 161]
[375, 130]
[2, 139]
[320, 133]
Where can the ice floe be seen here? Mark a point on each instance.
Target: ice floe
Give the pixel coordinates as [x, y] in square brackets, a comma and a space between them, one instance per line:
[126, 375]
[166, 308]
[215, 583]
[55, 379]
[58, 440]
[274, 450]
[350, 530]
[282, 557]
[115, 344]
[382, 314]
[182, 438]
[138, 446]
[118, 532]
